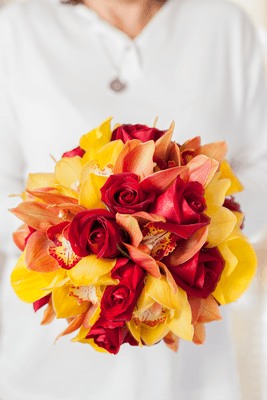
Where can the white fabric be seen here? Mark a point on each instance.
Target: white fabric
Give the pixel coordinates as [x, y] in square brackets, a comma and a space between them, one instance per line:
[198, 62]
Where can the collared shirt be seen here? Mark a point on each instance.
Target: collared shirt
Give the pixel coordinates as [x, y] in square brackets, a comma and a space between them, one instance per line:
[197, 62]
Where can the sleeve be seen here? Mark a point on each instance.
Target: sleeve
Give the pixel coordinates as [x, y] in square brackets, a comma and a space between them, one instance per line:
[11, 154]
[249, 161]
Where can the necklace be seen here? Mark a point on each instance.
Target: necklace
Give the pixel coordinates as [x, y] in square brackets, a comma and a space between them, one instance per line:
[117, 85]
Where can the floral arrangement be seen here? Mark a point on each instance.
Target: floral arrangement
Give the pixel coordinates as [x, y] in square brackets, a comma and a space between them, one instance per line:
[133, 239]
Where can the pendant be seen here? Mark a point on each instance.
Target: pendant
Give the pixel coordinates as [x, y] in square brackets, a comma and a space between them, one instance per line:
[117, 85]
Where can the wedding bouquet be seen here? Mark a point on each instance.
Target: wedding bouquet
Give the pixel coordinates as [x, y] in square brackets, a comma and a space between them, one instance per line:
[133, 239]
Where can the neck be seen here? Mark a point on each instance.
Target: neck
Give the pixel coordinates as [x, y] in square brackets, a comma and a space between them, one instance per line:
[129, 16]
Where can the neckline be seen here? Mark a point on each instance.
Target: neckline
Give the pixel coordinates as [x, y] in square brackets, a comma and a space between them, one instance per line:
[101, 25]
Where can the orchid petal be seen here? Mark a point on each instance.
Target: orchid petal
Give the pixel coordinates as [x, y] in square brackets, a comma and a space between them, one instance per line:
[181, 325]
[216, 150]
[202, 169]
[143, 260]
[199, 334]
[187, 248]
[160, 181]
[98, 137]
[144, 217]
[109, 153]
[127, 148]
[135, 331]
[163, 143]
[169, 277]
[216, 191]
[93, 167]
[73, 326]
[172, 341]
[40, 180]
[138, 161]
[222, 223]
[83, 332]
[195, 304]
[152, 335]
[28, 285]
[65, 305]
[49, 197]
[175, 155]
[36, 254]
[68, 171]
[160, 291]
[130, 224]
[88, 316]
[92, 271]
[209, 310]
[90, 195]
[49, 313]
[227, 172]
[232, 285]
[20, 235]
[37, 215]
[191, 144]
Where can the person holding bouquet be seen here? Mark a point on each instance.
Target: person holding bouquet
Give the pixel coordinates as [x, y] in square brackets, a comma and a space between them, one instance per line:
[63, 69]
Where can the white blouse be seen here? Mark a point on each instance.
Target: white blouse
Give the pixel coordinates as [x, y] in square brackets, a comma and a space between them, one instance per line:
[198, 62]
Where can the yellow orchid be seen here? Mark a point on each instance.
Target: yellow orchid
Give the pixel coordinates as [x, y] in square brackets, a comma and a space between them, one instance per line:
[31, 286]
[227, 172]
[159, 311]
[240, 265]
[222, 220]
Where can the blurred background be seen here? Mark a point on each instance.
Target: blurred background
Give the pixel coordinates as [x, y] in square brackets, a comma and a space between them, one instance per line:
[249, 315]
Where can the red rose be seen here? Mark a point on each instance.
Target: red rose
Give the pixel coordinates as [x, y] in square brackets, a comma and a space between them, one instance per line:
[199, 275]
[141, 132]
[232, 205]
[122, 193]
[126, 337]
[183, 203]
[118, 301]
[78, 151]
[110, 335]
[41, 302]
[106, 334]
[95, 231]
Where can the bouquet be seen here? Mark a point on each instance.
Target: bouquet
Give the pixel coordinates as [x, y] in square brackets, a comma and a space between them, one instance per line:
[133, 239]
